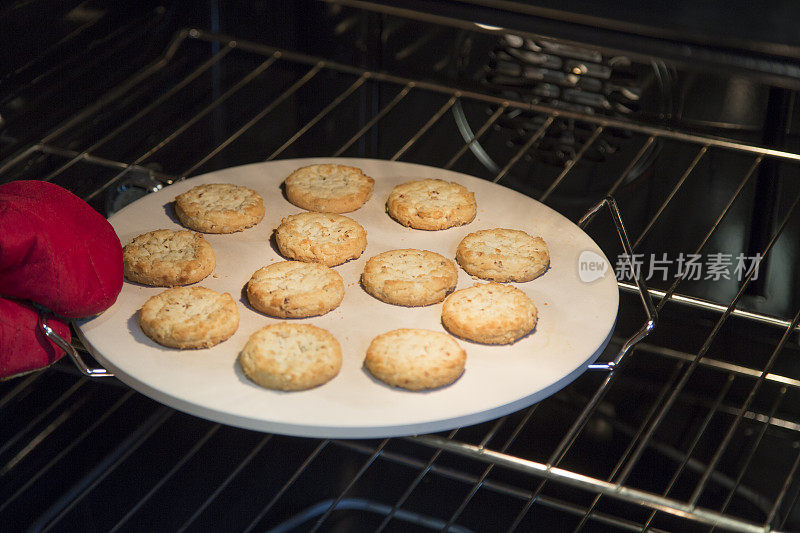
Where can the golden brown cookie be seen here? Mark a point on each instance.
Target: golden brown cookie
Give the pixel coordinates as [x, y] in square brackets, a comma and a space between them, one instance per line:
[166, 258]
[503, 255]
[409, 277]
[431, 204]
[489, 313]
[328, 188]
[324, 238]
[189, 317]
[294, 289]
[290, 357]
[219, 208]
[415, 359]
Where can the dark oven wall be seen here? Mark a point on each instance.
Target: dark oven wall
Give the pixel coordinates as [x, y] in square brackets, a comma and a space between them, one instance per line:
[114, 100]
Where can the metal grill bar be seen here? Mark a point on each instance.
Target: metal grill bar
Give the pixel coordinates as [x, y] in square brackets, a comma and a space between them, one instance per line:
[235, 472]
[479, 482]
[428, 125]
[64, 451]
[706, 421]
[107, 184]
[644, 295]
[577, 426]
[47, 52]
[522, 151]
[252, 75]
[706, 345]
[124, 87]
[11, 161]
[192, 121]
[494, 486]
[571, 163]
[568, 439]
[713, 363]
[41, 416]
[651, 413]
[444, 471]
[572, 479]
[21, 386]
[330, 107]
[748, 401]
[699, 303]
[422, 473]
[145, 110]
[605, 122]
[357, 71]
[752, 453]
[75, 494]
[418, 43]
[305, 464]
[791, 506]
[760, 417]
[671, 291]
[349, 486]
[265, 50]
[52, 426]
[167, 476]
[695, 465]
[382, 113]
[486, 125]
[102, 161]
[784, 490]
[261, 114]
[642, 151]
[670, 196]
[123, 33]
[572, 434]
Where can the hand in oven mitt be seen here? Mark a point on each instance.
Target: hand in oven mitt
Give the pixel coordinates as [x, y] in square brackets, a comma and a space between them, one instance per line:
[56, 251]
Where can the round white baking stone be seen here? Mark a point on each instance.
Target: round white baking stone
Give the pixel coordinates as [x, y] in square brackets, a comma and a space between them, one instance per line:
[576, 317]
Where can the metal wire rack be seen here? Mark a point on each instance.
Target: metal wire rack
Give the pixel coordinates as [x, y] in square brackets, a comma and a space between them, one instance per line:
[510, 469]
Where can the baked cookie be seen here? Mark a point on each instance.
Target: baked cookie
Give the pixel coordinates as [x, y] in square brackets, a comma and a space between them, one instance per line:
[289, 356]
[415, 359]
[409, 277]
[489, 313]
[328, 188]
[166, 258]
[293, 289]
[189, 317]
[431, 204]
[503, 255]
[324, 238]
[219, 208]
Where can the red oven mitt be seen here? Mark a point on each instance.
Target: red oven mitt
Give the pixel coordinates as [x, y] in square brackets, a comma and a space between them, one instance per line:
[56, 251]
[23, 345]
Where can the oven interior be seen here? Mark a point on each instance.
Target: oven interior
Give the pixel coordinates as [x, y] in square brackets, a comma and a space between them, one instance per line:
[695, 429]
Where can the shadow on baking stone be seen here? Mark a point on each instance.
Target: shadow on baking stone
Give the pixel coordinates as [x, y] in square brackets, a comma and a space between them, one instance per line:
[274, 244]
[136, 331]
[282, 188]
[166, 287]
[169, 210]
[244, 300]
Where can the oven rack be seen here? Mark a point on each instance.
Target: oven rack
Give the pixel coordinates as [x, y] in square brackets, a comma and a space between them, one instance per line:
[495, 456]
